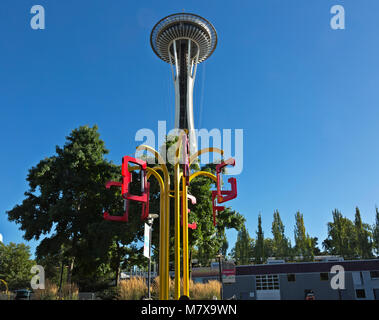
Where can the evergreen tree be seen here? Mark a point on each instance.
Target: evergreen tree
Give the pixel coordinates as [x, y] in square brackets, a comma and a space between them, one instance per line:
[363, 245]
[280, 242]
[376, 233]
[303, 242]
[259, 246]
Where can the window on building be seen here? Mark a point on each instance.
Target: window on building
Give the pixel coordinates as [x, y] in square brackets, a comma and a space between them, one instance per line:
[291, 277]
[267, 282]
[374, 274]
[324, 276]
[360, 293]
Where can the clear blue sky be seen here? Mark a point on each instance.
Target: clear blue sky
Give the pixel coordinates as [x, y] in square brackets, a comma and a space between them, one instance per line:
[306, 96]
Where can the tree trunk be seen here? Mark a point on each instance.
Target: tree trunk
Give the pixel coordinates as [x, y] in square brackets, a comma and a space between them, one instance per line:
[118, 265]
[118, 271]
[61, 279]
[69, 271]
[69, 276]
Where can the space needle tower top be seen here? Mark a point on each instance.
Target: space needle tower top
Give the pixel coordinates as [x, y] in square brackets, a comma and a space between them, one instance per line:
[184, 40]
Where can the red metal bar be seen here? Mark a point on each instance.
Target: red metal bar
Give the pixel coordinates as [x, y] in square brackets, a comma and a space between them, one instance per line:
[223, 196]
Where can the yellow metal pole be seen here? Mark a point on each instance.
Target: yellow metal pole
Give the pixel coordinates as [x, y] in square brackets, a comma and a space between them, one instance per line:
[164, 244]
[177, 177]
[177, 230]
[185, 237]
[162, 258]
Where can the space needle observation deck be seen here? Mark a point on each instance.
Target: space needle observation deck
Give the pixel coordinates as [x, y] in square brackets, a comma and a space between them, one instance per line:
[184, 40]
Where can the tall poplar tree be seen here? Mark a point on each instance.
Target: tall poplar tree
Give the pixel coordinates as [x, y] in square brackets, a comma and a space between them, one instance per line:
[376, 233]
[280, 242]
[243, 249]
[341, 238]
[303, 242]
[363, 244]
[259, 246]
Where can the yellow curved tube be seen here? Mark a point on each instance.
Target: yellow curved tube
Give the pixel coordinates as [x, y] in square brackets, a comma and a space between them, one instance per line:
[202, 151]
[203, 173]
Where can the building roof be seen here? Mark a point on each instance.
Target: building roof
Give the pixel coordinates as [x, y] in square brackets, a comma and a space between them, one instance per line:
[307, 267]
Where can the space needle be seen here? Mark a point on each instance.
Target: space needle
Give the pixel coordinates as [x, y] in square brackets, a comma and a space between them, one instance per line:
[184, 40]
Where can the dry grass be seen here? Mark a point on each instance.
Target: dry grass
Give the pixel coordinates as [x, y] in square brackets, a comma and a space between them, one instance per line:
[198, 291]
[132, 289]
[70, 292]
[205, 291]
[51, 292]
[136, 288]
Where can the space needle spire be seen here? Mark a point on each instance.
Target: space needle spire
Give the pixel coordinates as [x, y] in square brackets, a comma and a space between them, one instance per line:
[184, 40]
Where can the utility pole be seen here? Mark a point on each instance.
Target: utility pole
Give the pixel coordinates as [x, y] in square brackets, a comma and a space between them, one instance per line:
[220, 274]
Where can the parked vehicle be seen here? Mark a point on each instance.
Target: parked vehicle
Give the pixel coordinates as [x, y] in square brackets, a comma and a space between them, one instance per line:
[23, 294]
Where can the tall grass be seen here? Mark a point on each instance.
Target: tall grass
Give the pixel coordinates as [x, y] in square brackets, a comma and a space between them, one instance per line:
[69, 292]
[136, 288]
[133, 289]
[205, 291]
[51, 292]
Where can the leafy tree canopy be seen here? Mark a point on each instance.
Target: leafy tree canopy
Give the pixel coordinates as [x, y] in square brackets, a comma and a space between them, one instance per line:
[15, 265]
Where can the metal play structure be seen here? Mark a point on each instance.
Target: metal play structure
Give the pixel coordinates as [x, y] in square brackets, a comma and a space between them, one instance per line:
[183, 40]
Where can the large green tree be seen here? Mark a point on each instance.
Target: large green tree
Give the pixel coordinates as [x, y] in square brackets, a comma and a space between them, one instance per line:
[15, 265]
[65, 201]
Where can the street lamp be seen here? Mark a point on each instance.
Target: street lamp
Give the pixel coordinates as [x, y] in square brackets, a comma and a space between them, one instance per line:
[150, 222]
